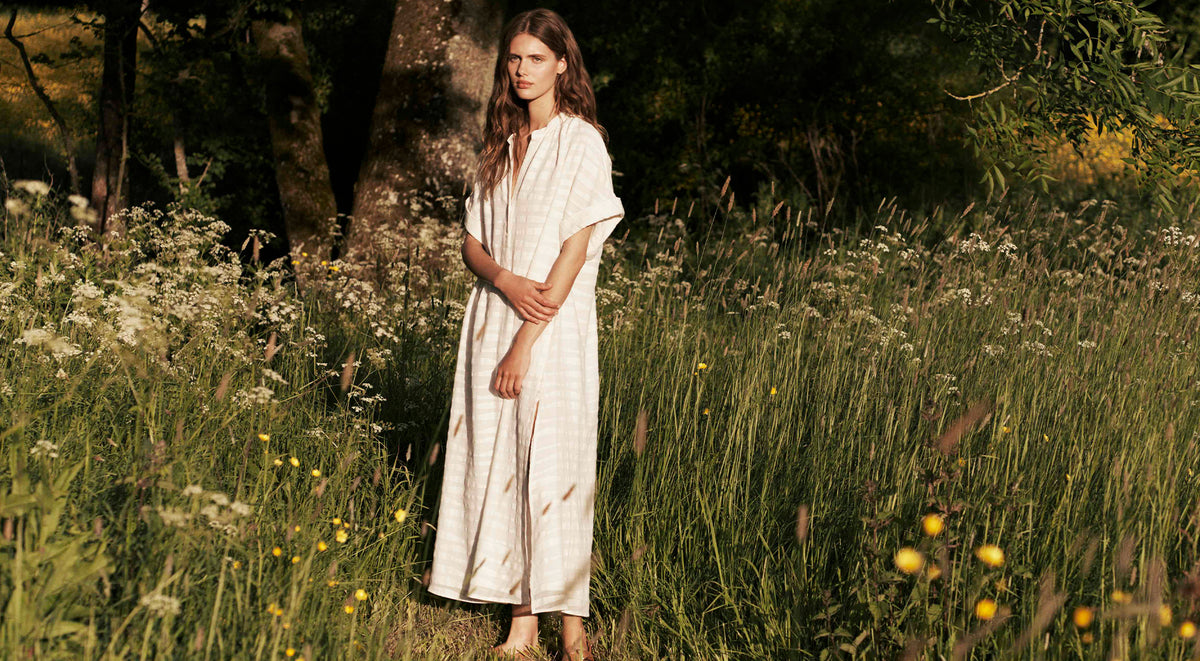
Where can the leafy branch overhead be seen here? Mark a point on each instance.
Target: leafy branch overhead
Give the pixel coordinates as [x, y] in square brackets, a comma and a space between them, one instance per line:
[1062, 68]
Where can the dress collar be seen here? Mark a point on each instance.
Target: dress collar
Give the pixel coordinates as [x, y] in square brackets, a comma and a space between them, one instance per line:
[556, 119]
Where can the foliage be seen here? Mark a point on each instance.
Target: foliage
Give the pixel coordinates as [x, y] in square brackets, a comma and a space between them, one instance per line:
[1052, 67]
[814, 396]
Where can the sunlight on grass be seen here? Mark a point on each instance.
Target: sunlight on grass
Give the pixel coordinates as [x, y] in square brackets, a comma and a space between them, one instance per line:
[949, 436]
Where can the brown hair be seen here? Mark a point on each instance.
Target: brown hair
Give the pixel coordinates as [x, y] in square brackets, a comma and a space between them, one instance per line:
[573, 94]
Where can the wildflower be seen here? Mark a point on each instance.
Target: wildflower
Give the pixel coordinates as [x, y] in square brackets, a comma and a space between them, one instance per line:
[349, 608]
[295, 559]
[990, 555]
[44, 448]
[321, 545]
[1187, 629]
[290, 652]
[335, 268]
[296, 528]
[276, 551]
[360, 594]
[772, 390]
[331, 583]
[401, 515]
[909, 560]
[1121, 597]
[932, 524]
[237, 564]
[1083, 617]
[705, 411]
[341, 536]
[1087, 638]
[16, 207]
[316, 472]
[294, 461]
[985, 609]
[337, 521]
[264, 437]
[1164, 615]
[1005, 429]
[160, 604]
[278, 462]
[702, 366]
[933, 572]
[32, 186]
[304, 254]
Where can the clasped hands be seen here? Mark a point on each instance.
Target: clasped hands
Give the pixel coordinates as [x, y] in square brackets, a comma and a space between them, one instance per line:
[526, 297]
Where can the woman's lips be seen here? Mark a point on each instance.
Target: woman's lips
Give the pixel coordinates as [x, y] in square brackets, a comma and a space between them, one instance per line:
[524, 85]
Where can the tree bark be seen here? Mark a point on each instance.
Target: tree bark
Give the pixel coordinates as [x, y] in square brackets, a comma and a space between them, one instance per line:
[301, 171]
[64, 131]
[110, 189]
[428, 119]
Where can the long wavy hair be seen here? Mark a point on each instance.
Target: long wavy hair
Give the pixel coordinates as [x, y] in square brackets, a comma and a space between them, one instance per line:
[507, 114]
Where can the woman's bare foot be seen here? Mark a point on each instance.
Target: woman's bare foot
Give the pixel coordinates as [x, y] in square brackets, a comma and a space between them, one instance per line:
[522, 633]
[574, 640]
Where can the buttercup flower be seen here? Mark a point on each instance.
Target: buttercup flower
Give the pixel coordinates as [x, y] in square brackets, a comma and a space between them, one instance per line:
[990, 555]
[909, 560]
[1083, 617]
[985, 609]
[932, 524]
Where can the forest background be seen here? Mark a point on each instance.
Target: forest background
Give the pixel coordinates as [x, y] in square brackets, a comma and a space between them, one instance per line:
[816, 101]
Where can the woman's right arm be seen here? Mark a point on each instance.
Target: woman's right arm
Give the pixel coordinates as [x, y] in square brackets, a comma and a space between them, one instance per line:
[524, 294]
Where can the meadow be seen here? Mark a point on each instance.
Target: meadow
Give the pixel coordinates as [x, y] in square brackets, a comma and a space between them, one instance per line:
[970, 434]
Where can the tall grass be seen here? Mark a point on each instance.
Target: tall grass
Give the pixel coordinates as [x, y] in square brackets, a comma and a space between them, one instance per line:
[781, 406]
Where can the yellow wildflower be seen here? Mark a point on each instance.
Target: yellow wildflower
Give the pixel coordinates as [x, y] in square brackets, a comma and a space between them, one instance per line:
[1164, 615]
[401, 515]
[909, 560]
[276, 551]
[349, 608]
[773, 390]
[295, 559]
[702, 366]
[278, 462]
[1083, 617]
[360, 594]
[264, 437]
[316, 472]
[932, 524]
[933, 572]
[990, 554]
[321, 545]
[1187, 629]
[290, 652]
[985, 609]
[294, 461]
[341, 536]
[1121, 597]
[337, 521]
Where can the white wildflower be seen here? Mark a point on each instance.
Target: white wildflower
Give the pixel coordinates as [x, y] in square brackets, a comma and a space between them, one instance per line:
[32, 186]
[44, 448]
[160, 604]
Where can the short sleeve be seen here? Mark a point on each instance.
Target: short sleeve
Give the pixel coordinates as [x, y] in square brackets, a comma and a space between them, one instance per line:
[473, 216]
[591, 200]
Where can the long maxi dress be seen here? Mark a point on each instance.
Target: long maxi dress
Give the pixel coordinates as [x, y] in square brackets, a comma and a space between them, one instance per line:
[516, 510]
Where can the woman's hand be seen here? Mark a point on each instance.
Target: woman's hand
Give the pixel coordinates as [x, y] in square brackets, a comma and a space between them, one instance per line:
[511, 372]
[526, 296]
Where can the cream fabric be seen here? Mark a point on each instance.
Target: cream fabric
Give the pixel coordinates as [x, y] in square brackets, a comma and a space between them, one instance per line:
[516, 511]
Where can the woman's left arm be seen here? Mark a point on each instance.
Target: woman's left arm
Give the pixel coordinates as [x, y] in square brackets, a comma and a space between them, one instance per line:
[511, 370]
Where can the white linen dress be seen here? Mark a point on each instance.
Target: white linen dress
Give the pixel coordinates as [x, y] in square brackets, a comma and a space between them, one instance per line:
[516, 509]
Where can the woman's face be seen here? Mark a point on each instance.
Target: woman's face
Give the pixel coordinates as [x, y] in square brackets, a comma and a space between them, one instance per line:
[532, 67]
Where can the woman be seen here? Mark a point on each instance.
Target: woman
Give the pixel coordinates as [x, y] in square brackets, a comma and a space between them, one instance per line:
[515, 519]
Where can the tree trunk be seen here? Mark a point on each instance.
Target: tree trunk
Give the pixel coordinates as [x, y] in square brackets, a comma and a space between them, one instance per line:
[301, 171]
[427, 124]
[110, 190]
